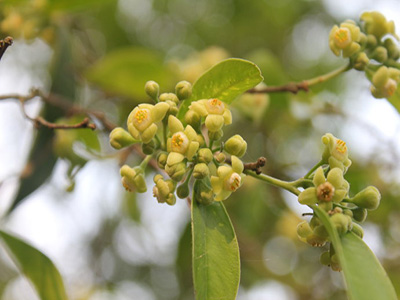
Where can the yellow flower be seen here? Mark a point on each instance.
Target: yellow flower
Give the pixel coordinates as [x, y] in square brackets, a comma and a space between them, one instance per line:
[228, 179]
[384, 82]
[336, 152]
[344, 39]
[376, 24]
[142, 119]
[215, 112]
[133, 179]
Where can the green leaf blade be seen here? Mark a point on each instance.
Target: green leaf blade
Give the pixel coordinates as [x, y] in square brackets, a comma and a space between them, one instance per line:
[224, 81]
[37, 267]
[216, 262]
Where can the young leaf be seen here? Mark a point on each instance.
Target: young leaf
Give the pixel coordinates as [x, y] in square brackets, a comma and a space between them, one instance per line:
[216, 264]
[364, 276]
[224, 81]
[37, 267]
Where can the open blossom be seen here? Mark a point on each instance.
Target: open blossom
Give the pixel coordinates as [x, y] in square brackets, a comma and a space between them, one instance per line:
[142, 119]
[228, 179]
[215, 112]
[164, 190]
[345, 39]
[336, 152]
[333, 188]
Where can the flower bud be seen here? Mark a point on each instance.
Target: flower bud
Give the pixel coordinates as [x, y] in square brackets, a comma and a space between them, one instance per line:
[220, 157]
[321, 231]
[215, 136]
[192, 118]
[358, 230]
[304, 229]
[325, 258]
[360, 214]
[371, 41]
[392, 49]
[120, 138]
[236, 145]
[162, 159]
[183, 191]
[176, 171]
[335, 264]
[361, 61]
[133, 179]
[380, 54]
[201, 171]
[376, 24]
[152, 89]
[183, 90]
[315, 240]
[165, 97]
[368, 198]
[205, 155]
[149, 147]
[314, 222]
[341, 222]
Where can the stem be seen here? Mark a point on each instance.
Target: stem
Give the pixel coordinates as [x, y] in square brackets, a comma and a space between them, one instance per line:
[295, 87]
[289, 186]
[320, 163]
[145, 161]
[188, 176]
[164, 145]
[211, 144]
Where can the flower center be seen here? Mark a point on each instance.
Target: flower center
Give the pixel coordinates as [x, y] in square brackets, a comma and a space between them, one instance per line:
[341, 146]
[342, 37]
[233, 182]
[390, 87]
[179, 142]
[325, 192]
[215, 106]
[142, 119]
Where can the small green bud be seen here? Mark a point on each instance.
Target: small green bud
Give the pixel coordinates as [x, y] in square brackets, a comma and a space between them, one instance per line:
[171, 199]
[201, 171]
[152, 89]
[304, 229]
[325, 258]
[348, 212]
[236, 145]
[149, 147]
[162, 160]
[120, 138]
[393, 50]
[335, 265]
[360, 214]
[176, 171]
[314, 222]
[315, 240]
[182, 191]
[321, 231]
[192, 118]
[215, 135]
[357, 229]
[380, 54]
[205, 155]
[165, 97]
[361, 61]
[371, 41]
[183, 90]
[368, 198]
[220, 157]
[341, 222]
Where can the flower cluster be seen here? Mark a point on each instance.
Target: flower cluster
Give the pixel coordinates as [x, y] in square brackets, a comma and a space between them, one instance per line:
[181, 148]
[330, 191]
[372, 47]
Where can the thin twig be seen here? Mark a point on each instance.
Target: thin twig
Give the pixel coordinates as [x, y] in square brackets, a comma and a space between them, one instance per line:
[4, 44]
[252, 166]
[39, 121]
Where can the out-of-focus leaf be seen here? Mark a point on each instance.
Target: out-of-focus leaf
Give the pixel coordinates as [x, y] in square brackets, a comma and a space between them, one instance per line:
[216, 264]
[364, 276]
[395, 99]
[130, 207]
[224, 81]
[37, 267]
[125, 71]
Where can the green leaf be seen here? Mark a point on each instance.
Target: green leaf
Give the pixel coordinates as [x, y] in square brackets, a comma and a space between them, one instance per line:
[125, 71]
[224, 81]
[37, 267]
[216, 263]
[364, 276]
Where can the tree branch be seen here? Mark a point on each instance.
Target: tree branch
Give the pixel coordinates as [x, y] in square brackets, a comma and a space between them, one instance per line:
[4, 44]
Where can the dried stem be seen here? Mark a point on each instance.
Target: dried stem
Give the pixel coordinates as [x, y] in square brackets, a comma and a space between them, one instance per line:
[4, 44]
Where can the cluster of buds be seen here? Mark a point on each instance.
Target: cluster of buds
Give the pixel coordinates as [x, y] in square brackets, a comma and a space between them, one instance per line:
[187, 150]
[330, 191]
[371, 47]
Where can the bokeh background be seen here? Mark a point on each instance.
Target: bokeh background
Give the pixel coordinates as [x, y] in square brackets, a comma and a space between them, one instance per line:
[109, 244]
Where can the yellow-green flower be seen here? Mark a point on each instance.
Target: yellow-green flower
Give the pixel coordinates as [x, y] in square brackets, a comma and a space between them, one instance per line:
[164, 190]
[215, 112]
[142, 119]
[228, 179]
[376, 24]
[335, 153]
[327, 190]
[345, 39]
[133, 179]
[384, 82]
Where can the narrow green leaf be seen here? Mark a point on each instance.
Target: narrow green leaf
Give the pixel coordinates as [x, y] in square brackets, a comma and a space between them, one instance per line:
[364, 276]
[37, 267]
[224, 81]
[216, 263]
